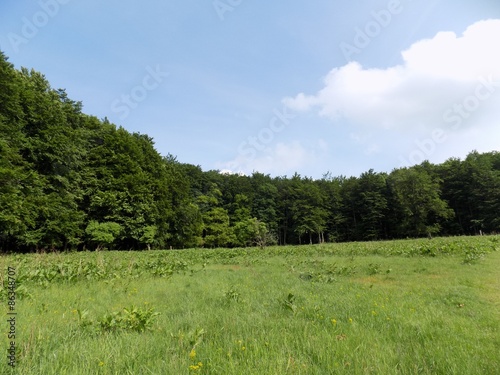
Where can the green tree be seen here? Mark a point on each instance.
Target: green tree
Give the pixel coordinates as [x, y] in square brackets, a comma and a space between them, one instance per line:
[417, 202]
[149, 235]
[18, 185]
[102, 234]
[216, 228]
[331, 188]
[252, 232]
[308, 209]
[217, 231]
[371, 205]
[264, 205]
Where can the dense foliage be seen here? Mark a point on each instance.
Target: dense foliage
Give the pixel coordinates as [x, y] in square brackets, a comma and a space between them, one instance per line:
[71, 181]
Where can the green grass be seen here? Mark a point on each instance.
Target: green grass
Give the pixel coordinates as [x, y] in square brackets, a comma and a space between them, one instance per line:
[400, 307]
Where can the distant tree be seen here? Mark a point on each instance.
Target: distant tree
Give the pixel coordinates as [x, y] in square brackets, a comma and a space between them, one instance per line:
[371, 205]
[308, 210]
[102, 234]
[217, 231]
[418, 205]
[252, 232]
[285, 199]
[331, 187]
[181, 215]
[69, 180]
[149, 235]
[481, 181]
[240, 208]
[264, 205]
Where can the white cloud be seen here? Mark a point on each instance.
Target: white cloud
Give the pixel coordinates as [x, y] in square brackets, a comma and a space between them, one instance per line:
[281, 159]
[438, 75]
[442, 101]
[447, 56]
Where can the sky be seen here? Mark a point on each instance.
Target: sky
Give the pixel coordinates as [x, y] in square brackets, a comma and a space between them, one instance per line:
[276, 87]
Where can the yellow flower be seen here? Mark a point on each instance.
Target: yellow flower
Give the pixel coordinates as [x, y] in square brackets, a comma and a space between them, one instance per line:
[196, 367]
[101, 363]
[192, 354]
[243, 348]
[334, 322]
[350, 320]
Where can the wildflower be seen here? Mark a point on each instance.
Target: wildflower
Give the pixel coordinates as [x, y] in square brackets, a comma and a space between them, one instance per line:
[192, 354]
[196, 367]
[350, 320]
[334, 322]
[101, 363]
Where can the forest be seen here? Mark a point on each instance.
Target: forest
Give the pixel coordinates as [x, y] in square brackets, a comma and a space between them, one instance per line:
[71, 181]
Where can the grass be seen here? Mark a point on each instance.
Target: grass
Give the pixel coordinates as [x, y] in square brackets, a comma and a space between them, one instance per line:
[400, 307]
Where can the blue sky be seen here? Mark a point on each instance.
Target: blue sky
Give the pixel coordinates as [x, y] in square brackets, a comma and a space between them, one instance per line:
[296, 86]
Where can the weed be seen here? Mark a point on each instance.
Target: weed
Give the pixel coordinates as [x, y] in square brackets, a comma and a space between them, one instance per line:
[83, 318]
[196, 337]
[432, 316]
[374, 268]
[472, 255]
[289, 303]
[232, 295]
[22, 292]
[132, 319]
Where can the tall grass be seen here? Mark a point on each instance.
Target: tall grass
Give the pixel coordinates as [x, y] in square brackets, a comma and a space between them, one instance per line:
[401, 307]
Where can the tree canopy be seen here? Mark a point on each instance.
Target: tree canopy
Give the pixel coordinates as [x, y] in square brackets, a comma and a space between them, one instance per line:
[69, 180]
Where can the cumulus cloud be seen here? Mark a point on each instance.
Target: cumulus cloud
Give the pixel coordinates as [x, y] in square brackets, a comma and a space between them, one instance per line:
[443, 100]
[281, 159]
[442, 81]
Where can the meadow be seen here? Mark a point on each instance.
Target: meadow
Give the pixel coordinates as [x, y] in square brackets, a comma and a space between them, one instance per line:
[399, 307]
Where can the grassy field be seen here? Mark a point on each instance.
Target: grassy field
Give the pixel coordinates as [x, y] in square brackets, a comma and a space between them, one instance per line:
[400, 307]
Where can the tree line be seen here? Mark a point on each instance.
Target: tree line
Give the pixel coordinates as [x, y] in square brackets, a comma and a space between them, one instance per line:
[70, 181]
